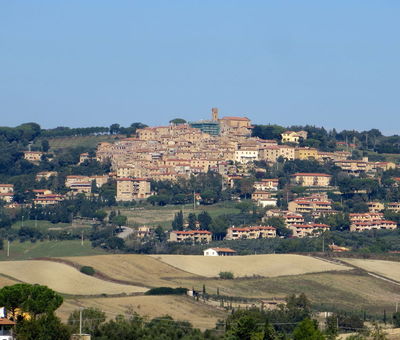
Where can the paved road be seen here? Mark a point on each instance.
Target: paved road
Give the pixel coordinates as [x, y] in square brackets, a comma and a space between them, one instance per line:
[126, 231]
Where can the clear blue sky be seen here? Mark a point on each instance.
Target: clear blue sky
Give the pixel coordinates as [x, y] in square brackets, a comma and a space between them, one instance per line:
[94, 63]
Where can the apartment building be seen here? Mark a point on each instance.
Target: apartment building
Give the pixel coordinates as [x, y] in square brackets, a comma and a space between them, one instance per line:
[47, 199]
[311, 179]
[236, 233]
[304, 230]
[196, 236]
[353, 167]
[266, 184]
[306, 153]
[373, 225]
[314, 205]
[375, 207]
[246, 155]
[129, 189]
[394, 206]
[273, 152]
[365, 217]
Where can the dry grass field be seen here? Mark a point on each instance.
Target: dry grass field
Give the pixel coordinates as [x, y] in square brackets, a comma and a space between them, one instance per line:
[179, 307]
[62, 278]
[262, 265]
[140, 269]
[389, 269]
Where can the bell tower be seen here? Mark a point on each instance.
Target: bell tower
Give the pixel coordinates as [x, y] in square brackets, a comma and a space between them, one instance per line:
[214, 112]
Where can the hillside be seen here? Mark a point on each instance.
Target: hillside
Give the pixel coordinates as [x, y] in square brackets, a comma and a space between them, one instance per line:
[260, 265]
[388, 269]
[139, 269]
[62, 278]
[181, 308]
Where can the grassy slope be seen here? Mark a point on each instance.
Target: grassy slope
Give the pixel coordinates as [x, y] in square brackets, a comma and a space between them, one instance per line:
[29, 250]
[179, 307]
[262, 265]
[389, 269]
[348, 290]
[63, 278]
[164, 215]
[139, 269]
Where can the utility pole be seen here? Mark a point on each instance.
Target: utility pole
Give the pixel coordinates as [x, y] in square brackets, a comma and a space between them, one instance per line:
[80, 320]
[8, 252]
[82, 238]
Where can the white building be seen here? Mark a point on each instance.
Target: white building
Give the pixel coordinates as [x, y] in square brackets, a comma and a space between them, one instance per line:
[219, 252]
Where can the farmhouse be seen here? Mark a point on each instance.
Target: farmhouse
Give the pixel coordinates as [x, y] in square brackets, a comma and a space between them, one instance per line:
[219, 252]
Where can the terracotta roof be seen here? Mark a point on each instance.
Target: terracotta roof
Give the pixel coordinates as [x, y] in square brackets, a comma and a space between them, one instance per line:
[236, 118]
[225, 250]
[311, 174]
[5, 321]
[192, 232]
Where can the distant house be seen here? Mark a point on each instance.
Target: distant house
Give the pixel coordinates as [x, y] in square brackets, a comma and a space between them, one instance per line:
[219, 252]
[293, 137]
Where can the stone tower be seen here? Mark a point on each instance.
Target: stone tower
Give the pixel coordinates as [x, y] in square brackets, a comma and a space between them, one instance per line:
[214, 111]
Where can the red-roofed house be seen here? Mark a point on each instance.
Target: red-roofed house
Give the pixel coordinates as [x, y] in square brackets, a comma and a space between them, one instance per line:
[219, 252]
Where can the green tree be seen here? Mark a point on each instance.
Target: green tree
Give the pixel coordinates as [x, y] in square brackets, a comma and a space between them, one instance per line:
[45, 327]
[159, 234]
[119, 220]
[45, 145]
[92, 318]
[177, 121]
[177, 223]
[192, 221]
[205, 220]
[307, 330]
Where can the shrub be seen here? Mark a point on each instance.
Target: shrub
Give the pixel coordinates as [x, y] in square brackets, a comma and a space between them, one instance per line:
[166, 291]
[226, 275]
[88, 270]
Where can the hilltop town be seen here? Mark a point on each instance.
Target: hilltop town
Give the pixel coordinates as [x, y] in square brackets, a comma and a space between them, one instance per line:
[220, 189]
[295, 188]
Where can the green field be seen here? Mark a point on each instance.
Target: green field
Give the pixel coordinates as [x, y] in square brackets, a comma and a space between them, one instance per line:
[164, 215]
[40, 225]
[28, 250]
